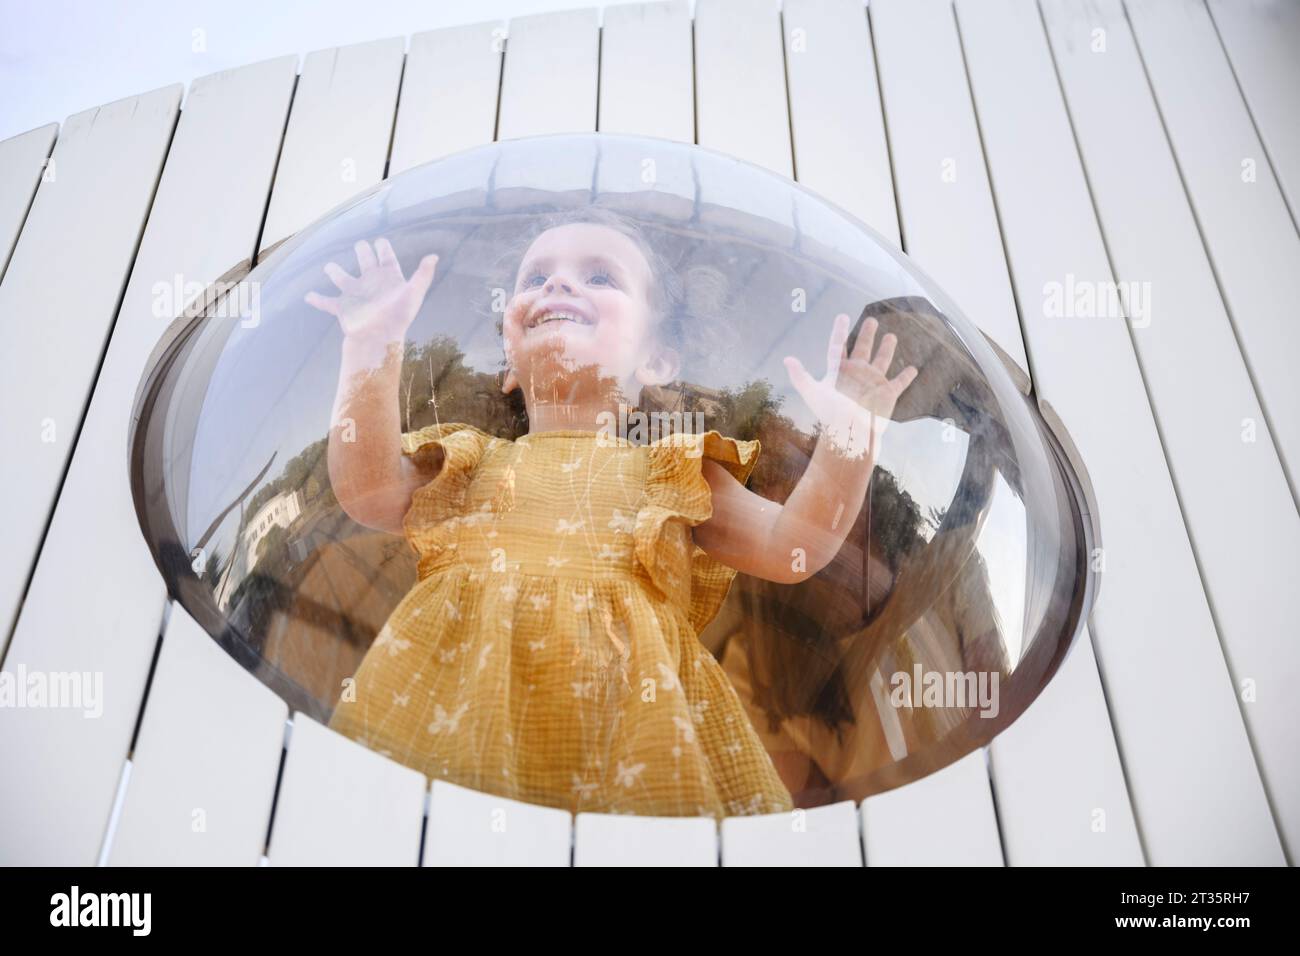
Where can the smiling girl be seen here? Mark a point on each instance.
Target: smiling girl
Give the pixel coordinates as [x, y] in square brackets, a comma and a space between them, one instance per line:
[549, 651]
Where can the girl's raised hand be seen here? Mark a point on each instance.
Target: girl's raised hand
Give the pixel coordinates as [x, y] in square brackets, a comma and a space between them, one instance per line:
[853, 402]
[380, 301]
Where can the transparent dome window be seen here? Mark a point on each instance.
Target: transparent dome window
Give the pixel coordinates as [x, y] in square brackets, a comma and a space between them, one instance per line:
[615, 475]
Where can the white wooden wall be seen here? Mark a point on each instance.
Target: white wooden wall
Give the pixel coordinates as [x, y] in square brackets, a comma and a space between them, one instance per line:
[1004, 144]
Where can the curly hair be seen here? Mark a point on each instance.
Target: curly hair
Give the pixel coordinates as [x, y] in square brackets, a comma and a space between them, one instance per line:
[691, 303]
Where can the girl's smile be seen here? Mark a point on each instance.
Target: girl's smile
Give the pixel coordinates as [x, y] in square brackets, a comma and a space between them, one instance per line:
[560, 311]
[582, 305]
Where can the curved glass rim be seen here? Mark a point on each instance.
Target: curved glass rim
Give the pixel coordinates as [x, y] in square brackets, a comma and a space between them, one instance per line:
[179, 336]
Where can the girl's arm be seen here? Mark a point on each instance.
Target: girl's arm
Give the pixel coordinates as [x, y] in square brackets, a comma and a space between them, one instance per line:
[788, 543]
[785, 543]
[370, 476]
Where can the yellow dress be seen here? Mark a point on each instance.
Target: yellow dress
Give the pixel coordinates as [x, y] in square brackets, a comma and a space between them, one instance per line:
[549, 651]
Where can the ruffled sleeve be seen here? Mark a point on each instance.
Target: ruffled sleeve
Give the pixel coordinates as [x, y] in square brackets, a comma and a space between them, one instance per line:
[677, 497]
[450, 452]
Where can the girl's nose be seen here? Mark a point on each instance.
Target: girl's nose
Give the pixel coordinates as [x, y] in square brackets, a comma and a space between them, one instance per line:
[559, 282]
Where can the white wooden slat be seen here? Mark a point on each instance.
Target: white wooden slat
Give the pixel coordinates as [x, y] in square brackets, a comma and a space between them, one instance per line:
[59, 297]
[1196, 790]
[741, 104]
[832, 75]
[1262, 38]
[96, 599]
[361, 77]
[944, 819]
[822, 836]
[606, 839]
[449, 93]
[740, 95]
[548, 85]
[646, 89]
[1061, 795]
[647, 84]
[204, 768]
[342, 804]
[365, 814]
[338, 136]
[1151, 233]
[551, 74]
[22, 164]
[835, 114]
[468, 828]
[743, 109]
[950, 227]
[1244, 222]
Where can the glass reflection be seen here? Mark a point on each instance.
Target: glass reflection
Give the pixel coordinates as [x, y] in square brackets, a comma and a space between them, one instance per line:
[470, 471]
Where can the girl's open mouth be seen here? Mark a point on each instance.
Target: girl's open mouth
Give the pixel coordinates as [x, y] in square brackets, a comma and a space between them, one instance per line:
[550, 317]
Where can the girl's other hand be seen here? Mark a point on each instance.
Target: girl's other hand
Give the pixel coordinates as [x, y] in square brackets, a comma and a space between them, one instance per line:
[379, 302]
[853, 402]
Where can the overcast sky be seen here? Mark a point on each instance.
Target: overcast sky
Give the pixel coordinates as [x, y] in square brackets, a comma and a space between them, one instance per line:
[59, 57]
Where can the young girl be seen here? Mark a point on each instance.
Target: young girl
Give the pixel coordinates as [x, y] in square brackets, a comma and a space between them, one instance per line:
[549, 651]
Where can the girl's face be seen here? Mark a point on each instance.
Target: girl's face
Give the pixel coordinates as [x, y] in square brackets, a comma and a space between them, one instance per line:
[580, 312]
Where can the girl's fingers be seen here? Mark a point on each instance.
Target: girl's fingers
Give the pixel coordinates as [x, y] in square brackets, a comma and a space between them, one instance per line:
[365, 255]
[322, 302]
[799, 377]
[339, 276]
[421, 279]
[885, 354]
[835, 349]
[866, 340]
[387, 258]
[903, 379]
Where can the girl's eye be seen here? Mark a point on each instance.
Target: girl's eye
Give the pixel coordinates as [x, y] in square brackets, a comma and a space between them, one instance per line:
[539, 279]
